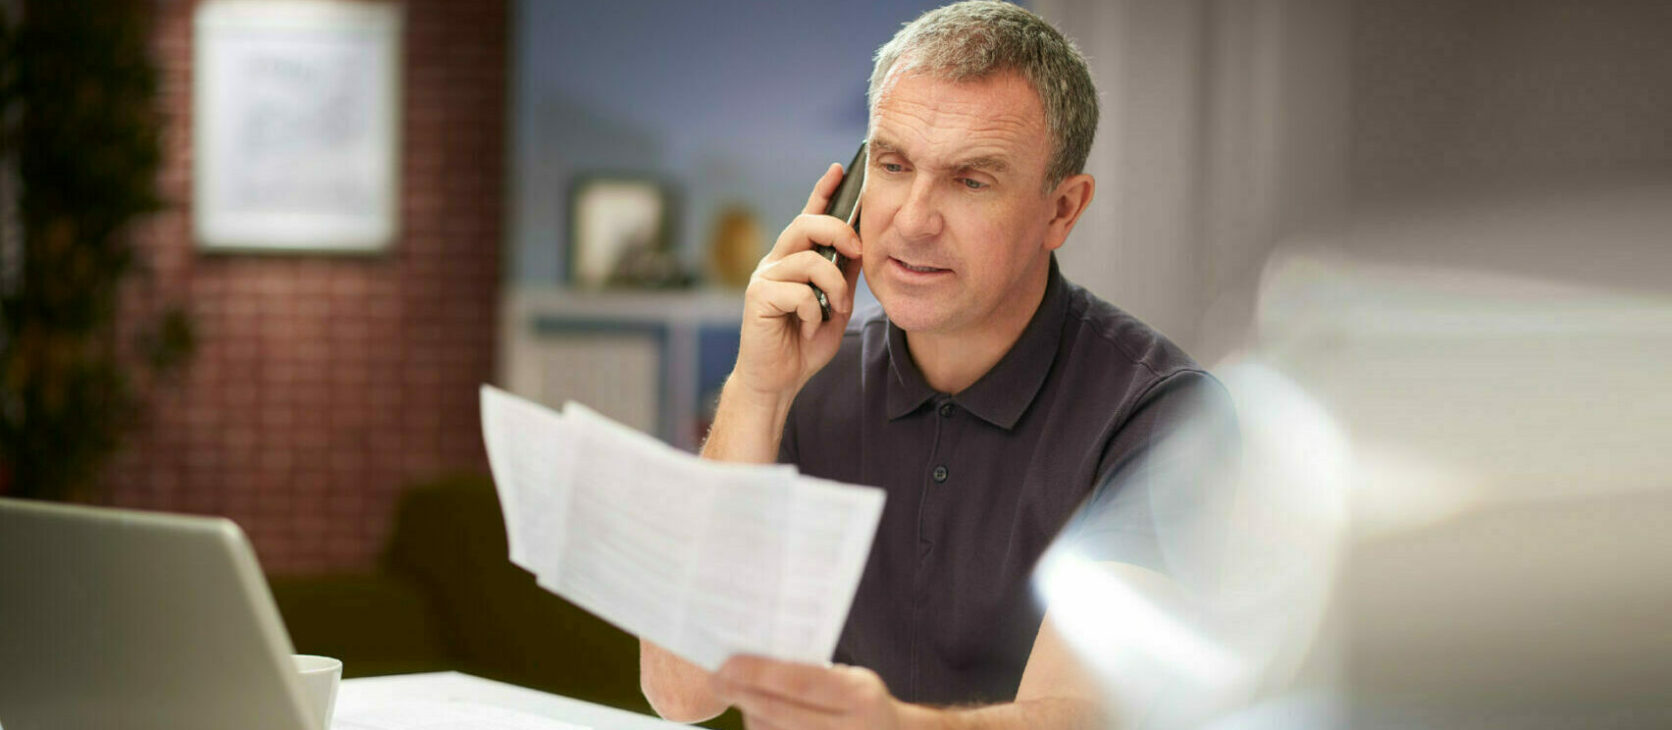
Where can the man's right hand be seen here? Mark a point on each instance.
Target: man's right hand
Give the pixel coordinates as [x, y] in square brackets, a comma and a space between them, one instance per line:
[784, 342]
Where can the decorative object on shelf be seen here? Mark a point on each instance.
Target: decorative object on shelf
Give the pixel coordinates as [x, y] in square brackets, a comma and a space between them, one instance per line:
[621, 233]
[297, 116]
[735, 247]
[648, 268]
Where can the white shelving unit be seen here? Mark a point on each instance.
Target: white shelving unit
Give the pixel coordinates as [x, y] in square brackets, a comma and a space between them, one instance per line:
[633, 356]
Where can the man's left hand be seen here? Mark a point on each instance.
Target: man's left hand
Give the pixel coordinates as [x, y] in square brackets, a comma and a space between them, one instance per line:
[778, 695]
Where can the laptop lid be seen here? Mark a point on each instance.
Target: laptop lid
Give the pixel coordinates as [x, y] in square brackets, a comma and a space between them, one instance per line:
[122, 619]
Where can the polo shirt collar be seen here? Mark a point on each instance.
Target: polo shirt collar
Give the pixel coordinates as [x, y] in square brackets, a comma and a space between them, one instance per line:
[1002, 395]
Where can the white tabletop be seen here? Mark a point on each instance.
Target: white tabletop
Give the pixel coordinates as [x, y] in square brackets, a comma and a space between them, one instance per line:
[453, 687]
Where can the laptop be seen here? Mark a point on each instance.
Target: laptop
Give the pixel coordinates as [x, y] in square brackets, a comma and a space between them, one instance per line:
[117, 619]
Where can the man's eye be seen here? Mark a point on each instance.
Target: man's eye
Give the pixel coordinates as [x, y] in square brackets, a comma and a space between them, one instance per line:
[972, 183]
[892, 167]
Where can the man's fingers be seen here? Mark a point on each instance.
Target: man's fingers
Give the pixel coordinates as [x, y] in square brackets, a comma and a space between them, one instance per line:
[823, 189]
[772, 711]
[808, 230]
[753, 723]
[808, 266]
[779, 298]
[783, 298]
[850, 276]
[816, 687]
[811, 315]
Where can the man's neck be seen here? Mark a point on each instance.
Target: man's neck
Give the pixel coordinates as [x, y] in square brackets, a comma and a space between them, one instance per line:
[953, 361]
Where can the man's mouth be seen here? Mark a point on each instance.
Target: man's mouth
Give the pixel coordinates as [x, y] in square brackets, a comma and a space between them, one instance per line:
[920, 269]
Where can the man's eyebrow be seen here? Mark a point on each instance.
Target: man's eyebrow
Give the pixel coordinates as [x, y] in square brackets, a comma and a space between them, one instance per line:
[988, 163]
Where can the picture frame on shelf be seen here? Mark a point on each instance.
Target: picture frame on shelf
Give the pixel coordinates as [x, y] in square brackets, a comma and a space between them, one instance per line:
[621, 233]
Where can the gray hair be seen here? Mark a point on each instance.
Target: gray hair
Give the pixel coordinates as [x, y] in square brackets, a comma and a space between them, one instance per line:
[976, 39]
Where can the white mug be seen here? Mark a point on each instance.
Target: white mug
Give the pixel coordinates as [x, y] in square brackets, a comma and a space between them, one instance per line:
[320, 675]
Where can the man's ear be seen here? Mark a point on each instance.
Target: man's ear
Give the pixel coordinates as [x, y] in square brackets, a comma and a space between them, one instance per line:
[1068, 201]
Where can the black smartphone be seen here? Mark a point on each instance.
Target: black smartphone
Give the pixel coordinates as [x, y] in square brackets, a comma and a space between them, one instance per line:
[844, 204]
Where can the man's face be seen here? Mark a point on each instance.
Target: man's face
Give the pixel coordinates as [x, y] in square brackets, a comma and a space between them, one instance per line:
[954, 220]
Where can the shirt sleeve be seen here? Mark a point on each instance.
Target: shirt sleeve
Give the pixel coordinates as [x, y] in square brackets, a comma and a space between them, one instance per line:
[1164, 492]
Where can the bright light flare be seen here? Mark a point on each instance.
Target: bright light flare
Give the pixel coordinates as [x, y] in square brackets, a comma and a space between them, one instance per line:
[1118, 628]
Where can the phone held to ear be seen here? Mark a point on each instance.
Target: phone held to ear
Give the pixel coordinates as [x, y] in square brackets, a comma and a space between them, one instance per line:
[844, 204]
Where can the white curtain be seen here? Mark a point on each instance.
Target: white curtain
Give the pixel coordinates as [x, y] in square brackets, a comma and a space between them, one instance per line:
[1223, 131]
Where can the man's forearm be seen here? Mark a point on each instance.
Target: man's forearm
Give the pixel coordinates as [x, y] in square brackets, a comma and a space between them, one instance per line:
[747, 426]
[1047, 713]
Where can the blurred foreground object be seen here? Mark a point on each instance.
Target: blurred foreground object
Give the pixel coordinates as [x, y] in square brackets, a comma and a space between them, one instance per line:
[1452, 509]
[80, 156]
[1511, 485]
[1251, 552]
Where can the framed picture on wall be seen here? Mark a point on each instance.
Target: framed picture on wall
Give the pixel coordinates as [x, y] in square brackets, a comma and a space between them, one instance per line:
[296, 109]
[621, 233]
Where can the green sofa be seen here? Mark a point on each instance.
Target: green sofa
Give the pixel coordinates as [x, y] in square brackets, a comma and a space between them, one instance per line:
[445, 597]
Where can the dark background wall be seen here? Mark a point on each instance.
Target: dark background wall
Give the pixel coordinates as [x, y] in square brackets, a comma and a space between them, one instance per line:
[322, 385]
[1495, 92]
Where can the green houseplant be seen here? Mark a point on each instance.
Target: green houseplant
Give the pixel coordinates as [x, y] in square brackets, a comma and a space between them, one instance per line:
[79, 144]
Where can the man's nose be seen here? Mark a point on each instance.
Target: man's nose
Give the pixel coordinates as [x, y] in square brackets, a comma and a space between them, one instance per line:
[919, 216]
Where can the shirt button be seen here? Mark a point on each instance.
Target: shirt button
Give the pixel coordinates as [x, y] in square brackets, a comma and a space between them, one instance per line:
[946, 410]
[940, 474]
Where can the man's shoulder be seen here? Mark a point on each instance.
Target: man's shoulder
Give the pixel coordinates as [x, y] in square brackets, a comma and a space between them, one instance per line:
[1103, 335]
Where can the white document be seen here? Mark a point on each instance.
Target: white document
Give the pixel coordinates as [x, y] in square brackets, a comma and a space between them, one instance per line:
[707, 559]
[434, 715]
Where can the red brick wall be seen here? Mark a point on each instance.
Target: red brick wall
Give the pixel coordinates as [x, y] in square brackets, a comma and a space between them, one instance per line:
[323, 385]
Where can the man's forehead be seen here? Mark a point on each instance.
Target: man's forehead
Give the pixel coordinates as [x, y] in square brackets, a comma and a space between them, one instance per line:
[993, 159]
[999, 95]
[993, 119]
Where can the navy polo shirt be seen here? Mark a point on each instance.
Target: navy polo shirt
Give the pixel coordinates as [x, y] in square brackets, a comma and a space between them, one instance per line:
[981, 482]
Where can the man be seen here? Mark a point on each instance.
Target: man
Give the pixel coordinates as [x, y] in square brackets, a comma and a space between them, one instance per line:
[992, 400]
